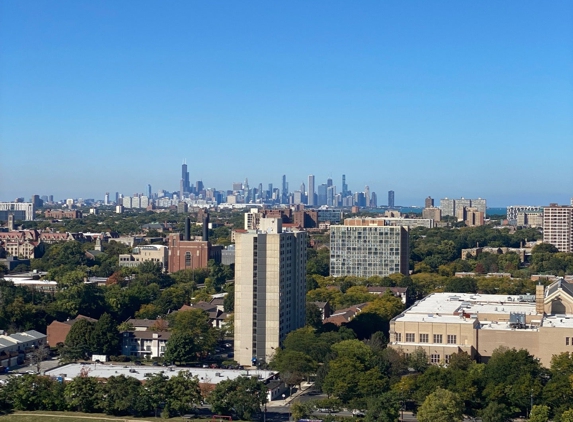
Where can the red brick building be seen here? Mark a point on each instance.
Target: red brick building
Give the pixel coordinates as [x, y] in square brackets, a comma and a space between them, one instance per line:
[58, 331]
[191, 254]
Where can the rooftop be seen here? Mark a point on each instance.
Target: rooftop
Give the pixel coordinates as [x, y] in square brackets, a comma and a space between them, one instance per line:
[205, 375]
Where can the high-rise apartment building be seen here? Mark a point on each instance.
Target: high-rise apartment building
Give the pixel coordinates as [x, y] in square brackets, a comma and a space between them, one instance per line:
[270, 288]
[311, 191]
[428, 202]
[365, 247]
[558, 226]
[390, 199]
[432, 213]
[448, 207]
[460, 205]
[367, 195]
[20, 210]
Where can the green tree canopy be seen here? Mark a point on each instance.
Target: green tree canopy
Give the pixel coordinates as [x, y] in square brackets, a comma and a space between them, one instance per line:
[441, 406]
[242, 396]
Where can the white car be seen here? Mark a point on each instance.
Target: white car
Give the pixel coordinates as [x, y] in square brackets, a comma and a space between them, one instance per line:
[357, 412]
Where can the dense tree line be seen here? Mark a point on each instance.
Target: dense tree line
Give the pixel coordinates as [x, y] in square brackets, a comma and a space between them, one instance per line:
[118, 395]
[368, 375]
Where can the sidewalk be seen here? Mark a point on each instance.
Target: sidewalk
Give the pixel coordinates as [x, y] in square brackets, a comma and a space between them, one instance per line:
[287, 401]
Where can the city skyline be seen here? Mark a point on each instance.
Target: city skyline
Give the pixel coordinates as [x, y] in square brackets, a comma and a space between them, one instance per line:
[416, 98]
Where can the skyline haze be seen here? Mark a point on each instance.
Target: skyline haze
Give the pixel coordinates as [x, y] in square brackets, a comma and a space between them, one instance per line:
[440, 99]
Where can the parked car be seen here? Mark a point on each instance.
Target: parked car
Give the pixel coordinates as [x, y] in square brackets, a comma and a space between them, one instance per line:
[358, 413]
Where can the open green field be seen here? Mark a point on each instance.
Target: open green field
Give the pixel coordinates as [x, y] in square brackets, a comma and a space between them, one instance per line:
[65, 417]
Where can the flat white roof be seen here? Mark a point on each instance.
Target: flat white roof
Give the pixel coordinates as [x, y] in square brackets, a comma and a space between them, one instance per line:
[106, 370]
[442, 306]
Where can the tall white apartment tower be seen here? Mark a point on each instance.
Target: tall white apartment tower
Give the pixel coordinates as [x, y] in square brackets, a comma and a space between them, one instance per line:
[558, 226]
[270, 289]
[310, 200]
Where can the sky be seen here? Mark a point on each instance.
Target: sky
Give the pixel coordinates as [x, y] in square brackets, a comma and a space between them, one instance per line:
[438, 98]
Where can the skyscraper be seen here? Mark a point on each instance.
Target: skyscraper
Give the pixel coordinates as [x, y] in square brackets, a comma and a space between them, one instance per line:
[344, 186]
[311, 201]
[390, 199]
[185, 186]
[148, 191]
[322, 188]
[428, 202]
[270, 288]
[367, 195]
[106, 199]
[285, 190]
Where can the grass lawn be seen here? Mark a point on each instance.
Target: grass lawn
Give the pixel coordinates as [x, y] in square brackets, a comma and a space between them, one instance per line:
[65, 417]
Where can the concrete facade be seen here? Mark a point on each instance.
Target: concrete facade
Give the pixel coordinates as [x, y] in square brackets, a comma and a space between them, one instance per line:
[270, 289]
[366, 247]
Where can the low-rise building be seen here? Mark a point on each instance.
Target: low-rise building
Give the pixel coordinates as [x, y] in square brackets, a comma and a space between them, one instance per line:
[58, 331]
[144, 344]
[157, 254]
[446, 323]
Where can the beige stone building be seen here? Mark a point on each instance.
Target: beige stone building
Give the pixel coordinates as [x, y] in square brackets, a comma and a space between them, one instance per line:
[270, 289]
[158, 254]
[446, 323]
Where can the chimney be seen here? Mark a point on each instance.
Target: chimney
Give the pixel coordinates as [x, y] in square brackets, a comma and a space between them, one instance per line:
[206, 227]
[540, 299]
[187, 229]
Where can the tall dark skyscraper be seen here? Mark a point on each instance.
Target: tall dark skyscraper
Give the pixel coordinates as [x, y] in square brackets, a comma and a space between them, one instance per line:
[185, 185]
[390, 199]
[285, 190]
[344, 186]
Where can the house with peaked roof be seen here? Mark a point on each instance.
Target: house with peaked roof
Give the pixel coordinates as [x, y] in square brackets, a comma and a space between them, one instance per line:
[58, 330]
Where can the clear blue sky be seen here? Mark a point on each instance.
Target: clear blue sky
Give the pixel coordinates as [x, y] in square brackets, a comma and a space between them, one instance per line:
[421, 97]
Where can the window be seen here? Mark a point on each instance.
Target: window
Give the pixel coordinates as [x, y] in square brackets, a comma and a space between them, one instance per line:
[452, 339]
[187, 259]
[437, 338]
[566, 341]
[398, 336]
[435, 358]
[410, 337]
[447, 358]
[424, 338]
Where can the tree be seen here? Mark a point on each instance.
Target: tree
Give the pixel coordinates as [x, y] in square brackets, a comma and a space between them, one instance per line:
[78, 342]
[567, 416]
[195, 322]
[33, 392]
[544, 248]
[293, 366]
[182, 347]
[441, 406]
[155, 388]
[183, 393]
[105, 338]
[539, 413]
[82, 394]
[385, 408]
[124, 396]
[301, 410]
[496, 412]
[313, 315]
[242, 396]
[39, 355]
